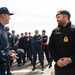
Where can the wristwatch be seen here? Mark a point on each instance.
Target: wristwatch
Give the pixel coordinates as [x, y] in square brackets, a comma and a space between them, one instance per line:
[70, 60]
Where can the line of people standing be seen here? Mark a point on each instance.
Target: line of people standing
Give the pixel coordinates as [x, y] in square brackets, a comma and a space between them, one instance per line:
[33, 45]
[30, 46]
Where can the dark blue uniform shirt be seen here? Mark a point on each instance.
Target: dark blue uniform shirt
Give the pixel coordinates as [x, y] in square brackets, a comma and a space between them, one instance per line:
[4, 48]
[37, 40]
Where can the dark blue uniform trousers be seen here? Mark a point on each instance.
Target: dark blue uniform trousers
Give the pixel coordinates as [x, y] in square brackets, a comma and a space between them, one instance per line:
[37, 49]
[3, 67]
[2, 73]
[29, 52]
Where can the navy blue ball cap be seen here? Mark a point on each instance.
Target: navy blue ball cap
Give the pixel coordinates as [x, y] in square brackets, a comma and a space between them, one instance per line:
[63, 12]
[6, 28]
[4, 10]
[43, 31]
[36, 31]
[21, 33]
[13, 31]
[25, 32]
[29, 32]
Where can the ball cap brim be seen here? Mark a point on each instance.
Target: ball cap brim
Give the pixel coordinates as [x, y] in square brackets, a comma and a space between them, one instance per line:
[4, 10]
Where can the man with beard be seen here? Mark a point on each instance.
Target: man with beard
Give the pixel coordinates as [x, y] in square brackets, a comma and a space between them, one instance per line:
[45, 48]
[62, 45]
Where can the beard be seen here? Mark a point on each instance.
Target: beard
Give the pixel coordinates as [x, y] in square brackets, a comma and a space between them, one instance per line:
[61, 23]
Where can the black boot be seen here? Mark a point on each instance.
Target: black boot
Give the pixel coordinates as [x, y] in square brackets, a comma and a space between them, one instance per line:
[9, 73]
[50, 65]
[19, 65]
[42, 68]
[33, 68]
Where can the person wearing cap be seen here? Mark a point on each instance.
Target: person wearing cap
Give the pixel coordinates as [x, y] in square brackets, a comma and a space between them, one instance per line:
[30, 52]
[62, 44]
[4, 45]
[37, 48]
[11, 47]
[16, 40]
[21, 41]
[10, 38]
[21, 47]
[24, 42]
[45, 48]
[27, 48]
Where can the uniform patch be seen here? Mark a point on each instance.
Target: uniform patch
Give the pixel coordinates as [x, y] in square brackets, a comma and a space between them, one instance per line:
[66, 39]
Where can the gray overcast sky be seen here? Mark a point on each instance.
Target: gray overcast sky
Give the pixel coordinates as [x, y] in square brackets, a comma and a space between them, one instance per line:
[30, 15]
